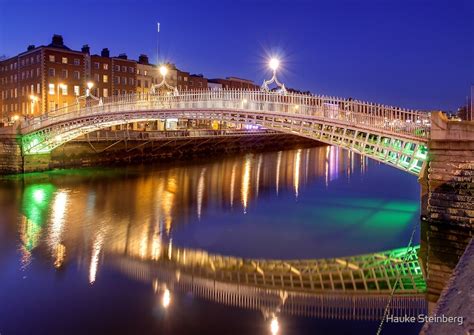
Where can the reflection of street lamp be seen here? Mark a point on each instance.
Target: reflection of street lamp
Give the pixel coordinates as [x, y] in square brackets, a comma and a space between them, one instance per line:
[273, 64]
[166, 300]
[274, 326]
[34, 99]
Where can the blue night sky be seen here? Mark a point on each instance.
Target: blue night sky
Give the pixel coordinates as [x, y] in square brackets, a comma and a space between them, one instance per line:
[408, 53]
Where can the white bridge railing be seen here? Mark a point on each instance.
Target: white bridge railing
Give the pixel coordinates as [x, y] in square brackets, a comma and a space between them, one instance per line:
[411, 123]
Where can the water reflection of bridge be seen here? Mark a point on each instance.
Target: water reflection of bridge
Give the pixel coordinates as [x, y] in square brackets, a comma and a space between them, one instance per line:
[356, 287]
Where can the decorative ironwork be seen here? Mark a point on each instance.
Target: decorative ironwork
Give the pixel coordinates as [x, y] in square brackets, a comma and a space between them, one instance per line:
[394, 136]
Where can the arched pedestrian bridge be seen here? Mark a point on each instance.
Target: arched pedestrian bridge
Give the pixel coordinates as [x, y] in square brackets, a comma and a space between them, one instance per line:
[394, 136]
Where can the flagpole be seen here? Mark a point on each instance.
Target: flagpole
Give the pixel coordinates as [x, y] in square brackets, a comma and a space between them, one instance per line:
[158, 44]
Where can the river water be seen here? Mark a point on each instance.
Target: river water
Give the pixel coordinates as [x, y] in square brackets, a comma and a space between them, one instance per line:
[64, 234]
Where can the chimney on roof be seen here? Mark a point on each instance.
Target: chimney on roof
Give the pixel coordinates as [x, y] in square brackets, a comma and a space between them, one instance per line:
[86, 49]
[105, 52]
[30, 47]
[57, 40]
[143, 59]
[122, 56]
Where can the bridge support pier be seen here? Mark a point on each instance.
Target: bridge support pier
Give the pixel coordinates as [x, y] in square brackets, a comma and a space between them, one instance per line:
[36, 163]
[449, 211]
[11, 160]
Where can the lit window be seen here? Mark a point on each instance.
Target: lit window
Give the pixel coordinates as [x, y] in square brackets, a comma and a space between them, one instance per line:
[52, 58]
[106, 66]
[51, 89]
[38, 88]
[105, 78]
[64, 89]
[106, 93]
[145, 72]
[64, 60]
[76, 90]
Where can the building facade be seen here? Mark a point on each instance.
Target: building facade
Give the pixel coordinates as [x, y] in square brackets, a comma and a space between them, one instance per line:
[47, 77]
[232, 83]
[188, 82]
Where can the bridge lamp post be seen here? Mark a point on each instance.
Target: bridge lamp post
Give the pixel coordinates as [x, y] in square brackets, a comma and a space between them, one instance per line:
[163, 69]
[273, 64]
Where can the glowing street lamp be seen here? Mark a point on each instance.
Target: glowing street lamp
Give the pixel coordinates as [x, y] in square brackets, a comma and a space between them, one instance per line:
[15, 118]
[163, 71]
[90, 84]
[273, 64]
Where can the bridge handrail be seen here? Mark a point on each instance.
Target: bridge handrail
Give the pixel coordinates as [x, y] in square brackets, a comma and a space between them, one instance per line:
[403, 121]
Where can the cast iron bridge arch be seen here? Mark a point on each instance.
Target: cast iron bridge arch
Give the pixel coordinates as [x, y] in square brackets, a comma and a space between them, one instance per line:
[394, 136]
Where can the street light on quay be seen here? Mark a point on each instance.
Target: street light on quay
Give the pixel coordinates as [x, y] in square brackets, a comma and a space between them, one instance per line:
[90, 85]
[34, 99]
[60, 86]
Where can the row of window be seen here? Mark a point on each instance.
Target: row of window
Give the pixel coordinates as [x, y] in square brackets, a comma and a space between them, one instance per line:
[105, 78]
[124, 69]
[64, 73]
[105, 66]
[63, 89]
[25, 91]
[124, 81]
[64, 60]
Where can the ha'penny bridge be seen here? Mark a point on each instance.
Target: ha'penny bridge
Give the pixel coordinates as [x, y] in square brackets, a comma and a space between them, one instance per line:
[394, 136]
[355, 287]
